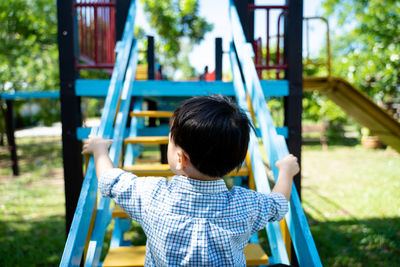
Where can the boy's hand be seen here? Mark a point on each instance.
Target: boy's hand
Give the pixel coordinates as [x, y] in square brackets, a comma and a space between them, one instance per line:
[289, 165]
[96, 145]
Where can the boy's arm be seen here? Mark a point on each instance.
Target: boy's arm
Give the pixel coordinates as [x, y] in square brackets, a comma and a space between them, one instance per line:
[99, 148]
[288, 167]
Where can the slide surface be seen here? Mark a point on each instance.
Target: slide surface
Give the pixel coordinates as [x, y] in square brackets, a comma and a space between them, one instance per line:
[359, 106]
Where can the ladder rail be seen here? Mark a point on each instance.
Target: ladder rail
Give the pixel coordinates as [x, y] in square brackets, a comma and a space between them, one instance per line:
[274, 234]
[103, 211]
[77, 235]
[275, 145]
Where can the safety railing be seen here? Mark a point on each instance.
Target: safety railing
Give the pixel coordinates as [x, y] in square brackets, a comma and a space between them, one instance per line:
[267, 63]
[274, 234]
[97, 36]
[308, 61]
[274, 144]
[80, 237]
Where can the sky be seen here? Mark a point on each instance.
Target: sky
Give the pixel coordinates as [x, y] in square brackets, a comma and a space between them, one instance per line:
[216, 12]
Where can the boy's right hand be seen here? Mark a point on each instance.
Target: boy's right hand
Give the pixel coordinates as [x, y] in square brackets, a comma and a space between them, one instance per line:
[96, 145]
[289, 165]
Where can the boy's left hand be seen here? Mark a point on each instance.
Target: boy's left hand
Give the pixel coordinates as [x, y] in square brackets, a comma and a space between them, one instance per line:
[96, 145]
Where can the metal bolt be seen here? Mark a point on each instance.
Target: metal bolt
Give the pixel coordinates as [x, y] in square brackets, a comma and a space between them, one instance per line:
[65, 33]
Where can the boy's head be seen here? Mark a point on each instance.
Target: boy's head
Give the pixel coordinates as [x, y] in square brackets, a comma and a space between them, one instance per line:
[214, 133]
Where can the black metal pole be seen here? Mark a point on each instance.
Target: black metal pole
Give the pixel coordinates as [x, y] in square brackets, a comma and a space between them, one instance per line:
[150, 58]
[121, 13]
[294, 74]
[218, 59]
[10, 129]
[152, 105]
[71, 117]
[2, 126]
[246, 18]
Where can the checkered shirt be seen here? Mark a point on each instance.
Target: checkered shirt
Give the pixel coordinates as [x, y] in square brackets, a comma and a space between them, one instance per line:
[191, 222]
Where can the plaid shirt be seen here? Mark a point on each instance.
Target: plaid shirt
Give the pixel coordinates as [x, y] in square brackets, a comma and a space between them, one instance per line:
[190, 222]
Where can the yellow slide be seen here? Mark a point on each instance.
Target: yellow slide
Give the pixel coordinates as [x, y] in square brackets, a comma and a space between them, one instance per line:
[359, 106]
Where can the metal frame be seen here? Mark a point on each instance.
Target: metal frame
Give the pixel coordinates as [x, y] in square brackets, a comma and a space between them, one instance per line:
[328, 44]
[278, 65]
[9, 119]
[98, 88]
[71, 117]
[97, 36]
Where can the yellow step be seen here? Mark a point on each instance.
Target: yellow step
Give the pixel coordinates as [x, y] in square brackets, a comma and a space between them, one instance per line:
[151, 114]
[119, 213]
[164, 170]
[161, 140]
[134, 256]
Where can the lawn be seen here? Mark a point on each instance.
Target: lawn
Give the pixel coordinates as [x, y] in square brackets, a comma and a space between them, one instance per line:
[351, 197]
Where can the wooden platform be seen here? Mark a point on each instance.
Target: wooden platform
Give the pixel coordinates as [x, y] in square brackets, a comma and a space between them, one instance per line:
[135, 256]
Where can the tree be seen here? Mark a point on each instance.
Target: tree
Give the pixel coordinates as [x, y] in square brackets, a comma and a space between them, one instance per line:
[28, 45]
[28, 49]
[366, 45]
[174, 20]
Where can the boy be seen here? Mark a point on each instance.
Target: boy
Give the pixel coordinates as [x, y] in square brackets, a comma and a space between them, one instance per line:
[194, 220]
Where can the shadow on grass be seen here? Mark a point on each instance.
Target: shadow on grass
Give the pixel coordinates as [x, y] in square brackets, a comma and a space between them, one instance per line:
[367, 242]
[33, 242]
[337, 141]
[33, 153]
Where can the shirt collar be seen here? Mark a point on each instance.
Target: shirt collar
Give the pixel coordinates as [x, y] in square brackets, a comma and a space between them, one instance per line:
[200, 186]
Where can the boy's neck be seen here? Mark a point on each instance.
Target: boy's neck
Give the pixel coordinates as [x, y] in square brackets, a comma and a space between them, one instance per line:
[193, 173]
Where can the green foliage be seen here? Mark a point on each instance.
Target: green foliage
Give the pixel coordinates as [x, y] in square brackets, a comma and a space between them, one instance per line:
[173, 20]
[366, 47]
[28, 50]
[28, 45]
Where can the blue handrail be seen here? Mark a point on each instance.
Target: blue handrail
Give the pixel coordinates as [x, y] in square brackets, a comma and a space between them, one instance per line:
[80, 224]
[274, 145]
[274, 234]
[103, 211]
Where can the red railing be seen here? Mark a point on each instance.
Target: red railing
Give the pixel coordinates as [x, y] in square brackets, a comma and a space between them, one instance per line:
[262, 63]
[96, 27]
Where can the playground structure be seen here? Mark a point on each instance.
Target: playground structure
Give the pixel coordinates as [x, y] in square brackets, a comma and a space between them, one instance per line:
[353, 101]
[114, 119]
[89, 223]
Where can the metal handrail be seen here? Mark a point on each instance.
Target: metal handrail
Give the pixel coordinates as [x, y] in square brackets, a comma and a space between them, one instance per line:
[328, 43]
[278, 66]
[95, 33]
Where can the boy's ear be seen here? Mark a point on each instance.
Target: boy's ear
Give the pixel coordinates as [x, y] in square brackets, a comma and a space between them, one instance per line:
[182, 160]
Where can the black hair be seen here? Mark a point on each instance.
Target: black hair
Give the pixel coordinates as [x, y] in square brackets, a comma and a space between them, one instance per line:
[213, 131]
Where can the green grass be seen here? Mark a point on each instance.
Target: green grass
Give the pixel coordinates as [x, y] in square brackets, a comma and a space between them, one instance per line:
[351, 197]
[32, 224]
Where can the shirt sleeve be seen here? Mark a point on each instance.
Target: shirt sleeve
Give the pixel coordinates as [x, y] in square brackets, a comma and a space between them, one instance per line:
[270, 207]
[127, 190]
